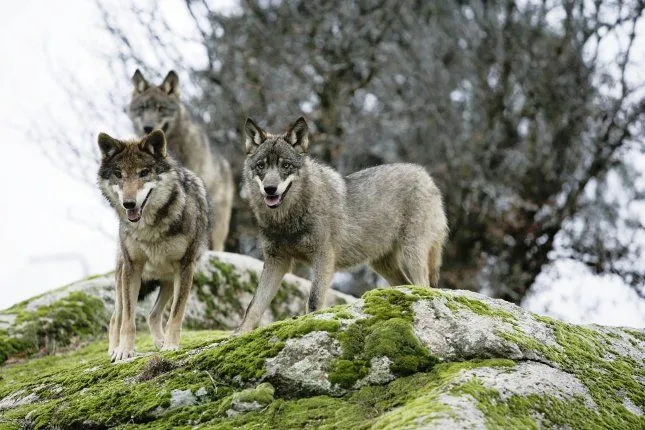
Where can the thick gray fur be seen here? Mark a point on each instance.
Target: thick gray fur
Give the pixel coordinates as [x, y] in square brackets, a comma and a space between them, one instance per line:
[390, 216]
[159, 107]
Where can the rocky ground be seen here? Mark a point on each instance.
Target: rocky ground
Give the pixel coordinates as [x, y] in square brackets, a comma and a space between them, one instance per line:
[398, 358]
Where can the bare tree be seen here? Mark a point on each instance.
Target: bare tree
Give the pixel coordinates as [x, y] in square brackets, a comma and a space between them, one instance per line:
[517, 108]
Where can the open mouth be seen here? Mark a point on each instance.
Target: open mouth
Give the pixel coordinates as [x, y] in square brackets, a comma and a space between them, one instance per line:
[134, 215]
[275, 200]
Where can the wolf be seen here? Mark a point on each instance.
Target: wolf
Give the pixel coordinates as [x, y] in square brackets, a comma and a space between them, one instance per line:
[389, 216]
[164, 226]
[158, 107]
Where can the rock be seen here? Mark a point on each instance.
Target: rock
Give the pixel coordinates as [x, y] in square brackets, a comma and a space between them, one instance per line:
[224, 284]
[251, 399]
[179, 398]
[303, 364]
[398, 358]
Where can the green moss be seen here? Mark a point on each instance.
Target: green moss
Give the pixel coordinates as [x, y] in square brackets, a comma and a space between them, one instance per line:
[387, 332]
[11, 346]
[587, 354]
[478, 307]
[287, 292]
[519, 411]
[243, 357]
[346, 372]
[75, 317]
[263, 394]
[223, 286]
[75, 388]
[362, 409]
[424, 403]
[638, 335]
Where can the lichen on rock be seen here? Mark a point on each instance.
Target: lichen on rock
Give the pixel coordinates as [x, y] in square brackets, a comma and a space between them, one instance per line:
[404, 357]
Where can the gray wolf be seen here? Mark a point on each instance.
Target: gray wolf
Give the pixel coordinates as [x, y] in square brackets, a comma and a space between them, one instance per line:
[158, 107]
[164, 226]
[389, 216]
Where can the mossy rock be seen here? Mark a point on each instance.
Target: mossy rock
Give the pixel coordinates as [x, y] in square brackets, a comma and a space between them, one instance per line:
[397, 358]
[224, 284]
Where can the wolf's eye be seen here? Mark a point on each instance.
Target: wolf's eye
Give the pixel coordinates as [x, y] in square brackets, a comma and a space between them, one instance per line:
[117, 173]
[143, 173]
[260, 165]
[286, 165]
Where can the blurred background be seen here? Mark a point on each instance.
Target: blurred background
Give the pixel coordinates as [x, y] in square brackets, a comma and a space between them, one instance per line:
[529, 115]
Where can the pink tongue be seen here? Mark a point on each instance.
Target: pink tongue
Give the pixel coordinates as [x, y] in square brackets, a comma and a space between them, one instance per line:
[271, 200]
[133, 214]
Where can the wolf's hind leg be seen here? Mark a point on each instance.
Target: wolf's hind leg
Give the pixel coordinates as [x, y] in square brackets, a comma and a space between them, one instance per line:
[323, 269]
[415, 260]
[389, 268]
[181, 289]
[156, 314]
[434, 263]
[221, 222]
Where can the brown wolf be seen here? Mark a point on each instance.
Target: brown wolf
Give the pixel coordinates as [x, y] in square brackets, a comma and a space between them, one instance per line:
[164, 226]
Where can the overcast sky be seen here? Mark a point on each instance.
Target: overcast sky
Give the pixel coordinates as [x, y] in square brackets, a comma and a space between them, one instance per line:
[55, 229]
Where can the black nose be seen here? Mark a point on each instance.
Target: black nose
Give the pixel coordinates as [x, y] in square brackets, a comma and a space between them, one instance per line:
[129, 204]
[147, 129]
[270, 190]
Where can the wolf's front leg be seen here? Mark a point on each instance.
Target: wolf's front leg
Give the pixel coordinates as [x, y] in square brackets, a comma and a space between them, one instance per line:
[131, 283]
[115, 321]
[323, 268]
[272, 274]
[182, 286]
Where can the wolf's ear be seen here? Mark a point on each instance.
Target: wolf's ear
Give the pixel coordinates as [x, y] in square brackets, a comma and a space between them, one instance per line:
[108, 145]
[170, 83]
[155, 144]
[254, 135]
[298, 134]
[139, 82]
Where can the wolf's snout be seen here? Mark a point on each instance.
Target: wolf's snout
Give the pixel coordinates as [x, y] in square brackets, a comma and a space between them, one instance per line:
[147, 130]
[129, 204]
[270, 190]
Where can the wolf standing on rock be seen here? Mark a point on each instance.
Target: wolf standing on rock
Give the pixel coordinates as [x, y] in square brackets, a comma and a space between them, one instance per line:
[391, 216]
[164, 226]
[158, 107]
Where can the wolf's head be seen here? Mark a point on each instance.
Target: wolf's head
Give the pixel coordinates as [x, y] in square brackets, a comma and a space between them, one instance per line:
[154, 107]
[273, 162]
[130, 171]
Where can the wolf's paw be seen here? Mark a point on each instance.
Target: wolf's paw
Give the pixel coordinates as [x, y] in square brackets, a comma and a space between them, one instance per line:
[170, 347]
[158, 341]
[120, 354]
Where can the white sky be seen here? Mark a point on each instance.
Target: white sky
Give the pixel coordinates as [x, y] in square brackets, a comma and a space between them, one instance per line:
[48, 221]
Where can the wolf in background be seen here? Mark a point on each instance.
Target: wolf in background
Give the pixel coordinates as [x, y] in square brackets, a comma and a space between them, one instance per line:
[158, 107]
[164, 227]
[391, 216]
